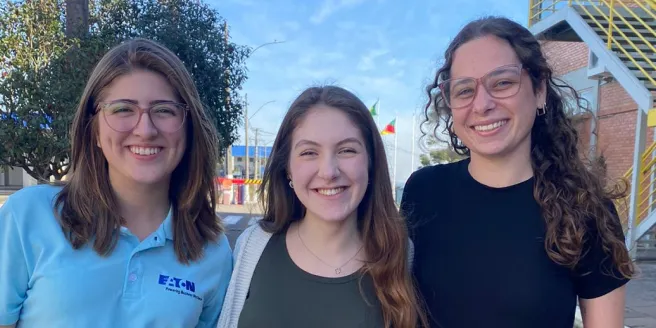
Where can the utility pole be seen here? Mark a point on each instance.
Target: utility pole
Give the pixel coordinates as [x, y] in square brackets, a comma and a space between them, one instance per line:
[248, 155]
[257, 156]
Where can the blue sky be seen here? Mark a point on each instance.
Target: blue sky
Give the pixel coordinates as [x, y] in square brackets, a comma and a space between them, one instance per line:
[378, 49]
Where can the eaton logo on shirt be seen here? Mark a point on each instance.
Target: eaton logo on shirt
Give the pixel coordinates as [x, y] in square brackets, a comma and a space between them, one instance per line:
[179, 286]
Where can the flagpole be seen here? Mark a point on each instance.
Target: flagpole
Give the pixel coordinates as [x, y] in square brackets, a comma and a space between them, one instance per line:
[395, 152]
[377, 113]
[414, 122]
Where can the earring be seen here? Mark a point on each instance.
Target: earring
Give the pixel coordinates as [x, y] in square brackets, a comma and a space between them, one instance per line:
[291, 184]
[543, 110]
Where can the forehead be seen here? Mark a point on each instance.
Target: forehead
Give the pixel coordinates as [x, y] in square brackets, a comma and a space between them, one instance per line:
[325, 125]
[140, 85]
[477, 57]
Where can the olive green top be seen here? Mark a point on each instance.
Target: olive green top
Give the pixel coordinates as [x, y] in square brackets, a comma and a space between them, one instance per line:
[282, 295]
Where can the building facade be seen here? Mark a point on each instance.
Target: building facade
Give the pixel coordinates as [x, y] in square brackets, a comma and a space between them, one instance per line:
[236, 160]
[609, 128]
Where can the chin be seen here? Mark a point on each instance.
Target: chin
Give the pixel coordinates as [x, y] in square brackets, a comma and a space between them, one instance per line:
[329, 215]
[490, 150]
[149, 178]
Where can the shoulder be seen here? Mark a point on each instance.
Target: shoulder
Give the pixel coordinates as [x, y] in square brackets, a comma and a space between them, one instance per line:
[34, 195]
[253, 236]
[429, 175]
[31, 202]
[220, 248]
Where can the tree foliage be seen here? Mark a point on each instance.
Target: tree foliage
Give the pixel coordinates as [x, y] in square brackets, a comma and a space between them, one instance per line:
[439, 156]
[44, 71]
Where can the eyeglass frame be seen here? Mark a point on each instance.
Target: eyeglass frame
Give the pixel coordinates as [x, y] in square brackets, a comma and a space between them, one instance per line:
[479, 81]
[102, 105]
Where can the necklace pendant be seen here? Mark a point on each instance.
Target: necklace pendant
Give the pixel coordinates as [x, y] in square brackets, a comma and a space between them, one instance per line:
[338, 271]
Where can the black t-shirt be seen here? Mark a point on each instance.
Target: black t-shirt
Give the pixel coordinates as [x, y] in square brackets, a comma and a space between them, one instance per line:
[480, 259]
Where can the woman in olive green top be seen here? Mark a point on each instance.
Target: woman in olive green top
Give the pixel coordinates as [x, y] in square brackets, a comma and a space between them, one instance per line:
[331, 250]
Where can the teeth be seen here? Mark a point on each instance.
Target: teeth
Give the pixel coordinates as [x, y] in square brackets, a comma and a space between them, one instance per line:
[490, 126]
[144, 151]
[330, 192]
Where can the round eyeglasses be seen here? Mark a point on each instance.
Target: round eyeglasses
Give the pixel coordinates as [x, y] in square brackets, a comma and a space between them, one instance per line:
[124, 116]
[502, 82]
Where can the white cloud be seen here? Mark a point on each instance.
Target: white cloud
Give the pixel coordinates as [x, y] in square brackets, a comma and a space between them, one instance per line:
[292, 25]
[367, 61]
[329, 7]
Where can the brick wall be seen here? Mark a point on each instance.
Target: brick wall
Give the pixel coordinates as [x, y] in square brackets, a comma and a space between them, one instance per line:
[617, 123]
[617, 112]
[564, 57]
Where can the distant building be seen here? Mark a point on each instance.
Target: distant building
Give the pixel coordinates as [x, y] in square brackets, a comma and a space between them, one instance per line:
[236, 161]
[14, 178]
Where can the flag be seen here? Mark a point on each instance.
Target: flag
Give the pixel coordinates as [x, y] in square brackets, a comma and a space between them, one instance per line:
[374, 109]
[389, 128]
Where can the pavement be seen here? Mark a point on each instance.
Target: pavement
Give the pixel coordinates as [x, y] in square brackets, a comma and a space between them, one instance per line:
[641, 298]
[236, 222]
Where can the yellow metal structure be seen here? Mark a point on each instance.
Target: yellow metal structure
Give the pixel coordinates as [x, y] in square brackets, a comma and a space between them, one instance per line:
[646, 198]
[606, 15]
[651, 118]
[618, 10]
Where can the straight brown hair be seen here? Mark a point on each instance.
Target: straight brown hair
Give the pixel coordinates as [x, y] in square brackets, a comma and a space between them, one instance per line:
[86, 206]
[380, 225]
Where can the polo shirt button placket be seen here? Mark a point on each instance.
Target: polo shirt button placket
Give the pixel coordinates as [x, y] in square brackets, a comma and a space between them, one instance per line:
[134, 278]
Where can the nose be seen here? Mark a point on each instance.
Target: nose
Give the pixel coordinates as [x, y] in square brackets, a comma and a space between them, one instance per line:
[482, 100]
[329, 168]
[145, 127]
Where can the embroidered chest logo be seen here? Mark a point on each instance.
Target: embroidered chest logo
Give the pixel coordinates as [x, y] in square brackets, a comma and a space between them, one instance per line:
[179, 286]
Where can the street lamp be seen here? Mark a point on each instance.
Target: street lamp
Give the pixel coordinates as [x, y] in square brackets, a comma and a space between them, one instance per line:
[266, 103]
[248, 157]
[264, 44]
[247, 126]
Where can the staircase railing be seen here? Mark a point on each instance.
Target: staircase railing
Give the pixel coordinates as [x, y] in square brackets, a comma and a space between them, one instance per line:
[607, 16]
[610, 19]
[646, 200]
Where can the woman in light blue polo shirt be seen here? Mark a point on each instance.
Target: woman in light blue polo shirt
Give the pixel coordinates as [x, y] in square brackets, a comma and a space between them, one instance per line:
[132, 239]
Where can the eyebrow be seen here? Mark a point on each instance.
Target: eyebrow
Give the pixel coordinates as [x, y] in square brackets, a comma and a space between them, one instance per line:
[154, 102]
[314, 143]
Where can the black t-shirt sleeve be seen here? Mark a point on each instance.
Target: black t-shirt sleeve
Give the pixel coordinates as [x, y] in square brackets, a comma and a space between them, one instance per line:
[596, 274]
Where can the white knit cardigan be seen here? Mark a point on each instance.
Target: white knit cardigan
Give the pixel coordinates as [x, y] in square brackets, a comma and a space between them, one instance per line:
[248, 249]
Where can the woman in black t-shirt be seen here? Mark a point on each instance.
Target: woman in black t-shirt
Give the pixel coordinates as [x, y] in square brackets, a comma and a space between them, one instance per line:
[517, 233]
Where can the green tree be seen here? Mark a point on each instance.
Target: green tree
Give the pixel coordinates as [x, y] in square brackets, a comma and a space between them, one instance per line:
[44, 71]
[439, 156]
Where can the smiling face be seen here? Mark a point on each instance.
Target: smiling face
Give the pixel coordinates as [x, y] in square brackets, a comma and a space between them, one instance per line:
[494, 123]
[145, 154]
[328, 164]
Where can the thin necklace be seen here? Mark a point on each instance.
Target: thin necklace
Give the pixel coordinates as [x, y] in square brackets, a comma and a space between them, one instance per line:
[338, 269]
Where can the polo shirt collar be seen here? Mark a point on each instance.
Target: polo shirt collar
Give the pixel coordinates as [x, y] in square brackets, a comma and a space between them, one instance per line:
[167, 225]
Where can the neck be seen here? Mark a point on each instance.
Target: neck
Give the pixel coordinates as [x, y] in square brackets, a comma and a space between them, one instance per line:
[141, 203]
[329, 238]
[502, 171]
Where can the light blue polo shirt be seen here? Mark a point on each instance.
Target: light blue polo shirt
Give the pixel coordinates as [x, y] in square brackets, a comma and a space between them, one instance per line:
[45, 283]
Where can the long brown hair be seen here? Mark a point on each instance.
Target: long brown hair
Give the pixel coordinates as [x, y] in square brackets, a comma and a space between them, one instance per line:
[569, 193]
[382, 229]
[86, 206]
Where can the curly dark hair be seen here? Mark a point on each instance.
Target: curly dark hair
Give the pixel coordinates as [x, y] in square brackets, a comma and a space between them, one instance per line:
[570, 193]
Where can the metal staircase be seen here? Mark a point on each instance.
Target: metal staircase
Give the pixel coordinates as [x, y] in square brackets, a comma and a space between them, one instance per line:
[621, 36]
